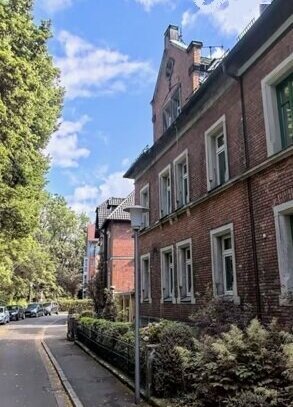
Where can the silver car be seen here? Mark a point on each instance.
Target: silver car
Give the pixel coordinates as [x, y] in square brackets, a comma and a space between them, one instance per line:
[4, 315]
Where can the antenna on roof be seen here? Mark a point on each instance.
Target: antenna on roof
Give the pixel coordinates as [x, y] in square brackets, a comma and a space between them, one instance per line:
[211, 47]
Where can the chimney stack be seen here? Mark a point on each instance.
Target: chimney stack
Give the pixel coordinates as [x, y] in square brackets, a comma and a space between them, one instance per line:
[172, 33]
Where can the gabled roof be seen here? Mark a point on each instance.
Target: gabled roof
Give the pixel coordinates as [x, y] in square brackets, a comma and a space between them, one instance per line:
[104, 210]
[275, 16]
[119, 213]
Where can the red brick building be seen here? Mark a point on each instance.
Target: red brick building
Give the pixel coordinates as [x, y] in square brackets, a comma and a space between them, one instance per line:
[219, 177]
[91, 258]
[116, 248]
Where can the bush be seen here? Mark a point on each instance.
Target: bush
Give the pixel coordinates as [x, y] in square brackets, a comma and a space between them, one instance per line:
[221, 369]
[169, 364]
[75, 306]
[87, 313]
[216, 315]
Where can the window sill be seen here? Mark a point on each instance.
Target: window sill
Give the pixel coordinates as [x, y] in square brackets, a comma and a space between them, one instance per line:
[230, 298]
[186, 300]
[146, 301]
[168, 300]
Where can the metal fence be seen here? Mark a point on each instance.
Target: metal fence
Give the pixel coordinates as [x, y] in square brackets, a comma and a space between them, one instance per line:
[116, 352]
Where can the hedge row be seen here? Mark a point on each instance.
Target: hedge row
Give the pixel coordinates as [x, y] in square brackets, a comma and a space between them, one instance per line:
[247, 367]
[75, 306]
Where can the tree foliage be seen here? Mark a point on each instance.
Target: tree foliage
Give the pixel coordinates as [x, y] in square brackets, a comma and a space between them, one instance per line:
[63, 233]
[41, 239]
[30, 102]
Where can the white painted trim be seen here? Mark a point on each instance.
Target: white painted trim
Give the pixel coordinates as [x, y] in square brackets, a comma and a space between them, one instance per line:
[149, 300]
[265, 46]
[142, 190]
[214, 234]
[166, 170]
[179, 245]
[270, 106]
[210, 134]
[176, 161]
[164, 250]
[284, 246]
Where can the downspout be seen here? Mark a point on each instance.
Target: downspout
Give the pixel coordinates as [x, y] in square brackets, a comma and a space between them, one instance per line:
[249, 193]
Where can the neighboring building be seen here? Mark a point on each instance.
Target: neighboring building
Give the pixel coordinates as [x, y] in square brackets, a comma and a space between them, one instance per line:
[219, 177]
[91, 258]
[116, 248]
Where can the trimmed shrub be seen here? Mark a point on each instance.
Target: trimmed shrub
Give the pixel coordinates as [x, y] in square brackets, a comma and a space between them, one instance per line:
[87, 313]
[74, 306]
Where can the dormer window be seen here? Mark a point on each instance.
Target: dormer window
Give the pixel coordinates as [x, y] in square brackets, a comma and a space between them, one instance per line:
[172, 109]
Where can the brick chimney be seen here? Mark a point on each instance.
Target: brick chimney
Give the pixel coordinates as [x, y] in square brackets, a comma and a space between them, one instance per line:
[172, 33]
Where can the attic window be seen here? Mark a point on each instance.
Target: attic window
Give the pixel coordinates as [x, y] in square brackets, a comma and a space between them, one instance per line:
[169, 68]
[172, 109]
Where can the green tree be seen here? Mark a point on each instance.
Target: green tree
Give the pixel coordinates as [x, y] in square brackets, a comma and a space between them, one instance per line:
[30, 103]
[63, 233]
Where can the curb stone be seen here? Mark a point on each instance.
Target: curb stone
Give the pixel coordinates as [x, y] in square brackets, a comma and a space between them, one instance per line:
[65, 382]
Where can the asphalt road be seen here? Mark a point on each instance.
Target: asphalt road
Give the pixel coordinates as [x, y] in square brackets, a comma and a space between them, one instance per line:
[27, 377]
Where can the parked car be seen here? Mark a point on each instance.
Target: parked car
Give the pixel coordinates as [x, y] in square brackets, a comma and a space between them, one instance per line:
[16, 312]
[51, 308]
[4, 315]
[34, 310]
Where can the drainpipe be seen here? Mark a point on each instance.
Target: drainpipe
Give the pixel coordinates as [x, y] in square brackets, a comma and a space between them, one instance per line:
[249, 193]
[250, 204]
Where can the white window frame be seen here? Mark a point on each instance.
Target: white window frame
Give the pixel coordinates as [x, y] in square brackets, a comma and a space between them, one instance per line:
[270, 104]
[142, 279]
[163, 195]
[176, 163]
[217, 254]
[284, 249]
[168, 111]
[145, 215]
[211, 136]
[163, 252]
[179, 247]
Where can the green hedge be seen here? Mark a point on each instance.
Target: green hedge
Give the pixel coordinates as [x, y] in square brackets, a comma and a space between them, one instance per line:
[249, 367]
[75, 306]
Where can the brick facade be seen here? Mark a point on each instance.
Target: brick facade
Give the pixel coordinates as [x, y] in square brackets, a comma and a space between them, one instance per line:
[257, 181]
[120, 256]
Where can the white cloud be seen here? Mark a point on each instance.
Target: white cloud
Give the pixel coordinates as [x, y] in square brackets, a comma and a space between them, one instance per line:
[149, 4]
[218, 52]
[230, 16]
[88, 70]
[188, 18]
[63, 147]
[52, 6]
[125, 162]
[87, 197]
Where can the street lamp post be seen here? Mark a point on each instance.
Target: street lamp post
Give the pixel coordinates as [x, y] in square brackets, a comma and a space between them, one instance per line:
[136, 213]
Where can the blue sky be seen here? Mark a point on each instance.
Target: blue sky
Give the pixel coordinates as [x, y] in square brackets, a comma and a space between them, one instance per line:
[109, 52]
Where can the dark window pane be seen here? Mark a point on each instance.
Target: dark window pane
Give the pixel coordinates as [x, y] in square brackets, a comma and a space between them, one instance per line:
[229, 273]
[227, 243]
[222, 167]
[189, 278]
[220, 141]
[285, 104]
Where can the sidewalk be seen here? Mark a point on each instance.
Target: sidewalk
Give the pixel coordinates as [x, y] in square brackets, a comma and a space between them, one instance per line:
[94, 385]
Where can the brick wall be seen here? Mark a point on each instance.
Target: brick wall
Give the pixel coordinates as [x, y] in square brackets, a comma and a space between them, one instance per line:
[269, 187]
[120, 256]
[184, 59]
